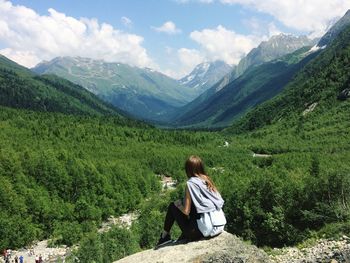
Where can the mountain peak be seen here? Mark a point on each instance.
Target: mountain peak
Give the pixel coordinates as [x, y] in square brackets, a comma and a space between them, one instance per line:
[275, 47]
[289, 41]
[281, 35]
[205, 75]
[333, 32]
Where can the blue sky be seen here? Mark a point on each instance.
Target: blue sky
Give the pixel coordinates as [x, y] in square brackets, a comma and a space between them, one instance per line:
[171, 36]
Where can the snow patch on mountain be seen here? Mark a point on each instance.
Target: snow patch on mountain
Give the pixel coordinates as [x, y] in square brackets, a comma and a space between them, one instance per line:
[205, 75]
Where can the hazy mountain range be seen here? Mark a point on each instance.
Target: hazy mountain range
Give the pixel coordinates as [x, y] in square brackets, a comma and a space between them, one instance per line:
[144, 93]
[150, 95]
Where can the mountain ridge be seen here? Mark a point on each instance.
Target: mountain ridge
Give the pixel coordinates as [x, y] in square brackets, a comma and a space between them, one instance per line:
[21, 88]
[143, 93]
[274, 48]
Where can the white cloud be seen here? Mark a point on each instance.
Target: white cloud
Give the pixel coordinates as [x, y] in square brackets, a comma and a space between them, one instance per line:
[223, 44]
[26, 57]
[313, 16]
[126, 21]
[29, 38]
[214, 44]
[180, 62]
[168, 27]
[261, 27]
[273, 30]
[189, 58]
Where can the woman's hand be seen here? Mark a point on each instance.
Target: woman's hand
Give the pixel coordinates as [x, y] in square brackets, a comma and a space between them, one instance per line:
[186, 206]
[178, 204]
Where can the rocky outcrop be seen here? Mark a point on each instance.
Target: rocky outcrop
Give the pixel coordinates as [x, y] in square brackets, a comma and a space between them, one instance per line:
[227, 248]
[344, 94]
[223, 248]
[310, 108]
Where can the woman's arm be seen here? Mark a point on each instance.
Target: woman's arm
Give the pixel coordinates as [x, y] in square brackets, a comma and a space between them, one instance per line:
[186, 207]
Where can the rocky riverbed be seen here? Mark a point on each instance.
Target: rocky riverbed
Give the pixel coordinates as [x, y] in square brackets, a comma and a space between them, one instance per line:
[48, 254]
[59, 253]
[124, 220]
[323, 251]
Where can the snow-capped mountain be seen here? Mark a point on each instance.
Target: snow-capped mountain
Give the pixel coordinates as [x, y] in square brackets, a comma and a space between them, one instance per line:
[335, 30]
[205, 75]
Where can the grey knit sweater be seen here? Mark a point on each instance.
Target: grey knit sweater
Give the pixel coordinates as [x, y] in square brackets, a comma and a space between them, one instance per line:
[203, 199]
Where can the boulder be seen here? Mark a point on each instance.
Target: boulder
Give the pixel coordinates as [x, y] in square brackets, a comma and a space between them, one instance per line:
[224, 248]
[344, 94]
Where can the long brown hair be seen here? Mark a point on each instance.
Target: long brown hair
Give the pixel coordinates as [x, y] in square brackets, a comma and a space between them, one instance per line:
[194, 167]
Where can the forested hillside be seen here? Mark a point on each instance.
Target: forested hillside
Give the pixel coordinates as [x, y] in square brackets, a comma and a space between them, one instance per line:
[61, 175]
[20, 88]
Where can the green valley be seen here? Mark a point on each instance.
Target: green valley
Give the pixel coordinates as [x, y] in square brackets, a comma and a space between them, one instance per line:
[279, 156]
[62, 175]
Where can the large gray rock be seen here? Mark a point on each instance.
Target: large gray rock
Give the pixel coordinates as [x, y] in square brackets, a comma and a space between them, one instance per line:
[344, 94]
[225, 248]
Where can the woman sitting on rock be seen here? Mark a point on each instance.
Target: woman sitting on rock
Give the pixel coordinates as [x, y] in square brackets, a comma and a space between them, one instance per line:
[201, 196]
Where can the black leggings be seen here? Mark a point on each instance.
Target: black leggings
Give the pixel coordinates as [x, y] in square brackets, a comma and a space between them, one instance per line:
[187, 224]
